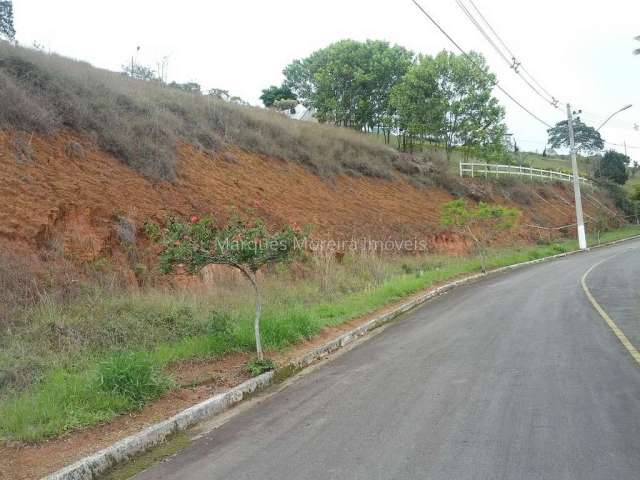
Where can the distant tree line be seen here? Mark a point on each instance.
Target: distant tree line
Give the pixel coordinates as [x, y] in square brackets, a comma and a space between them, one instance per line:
[373, 86]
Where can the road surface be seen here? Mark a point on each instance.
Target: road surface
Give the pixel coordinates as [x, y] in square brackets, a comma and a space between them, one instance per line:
[514, 377]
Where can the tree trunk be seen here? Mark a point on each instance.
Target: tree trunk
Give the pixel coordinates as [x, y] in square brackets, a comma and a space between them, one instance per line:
[256, 323]
[480, 249]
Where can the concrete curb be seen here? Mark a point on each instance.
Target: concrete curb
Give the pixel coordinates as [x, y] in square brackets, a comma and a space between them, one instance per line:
[90, 467]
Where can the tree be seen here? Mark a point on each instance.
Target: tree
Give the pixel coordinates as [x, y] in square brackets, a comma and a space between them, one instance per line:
[348, 83]
[240, 244]
[286, 104]
[613, 166]
[417, 103]
[587, 139]
[7, 29]
[273, 94]
[482, 224]
[448, 99]
[139, 72]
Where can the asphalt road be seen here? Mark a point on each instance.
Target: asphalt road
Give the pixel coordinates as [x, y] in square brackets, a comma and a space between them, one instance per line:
[514, 377]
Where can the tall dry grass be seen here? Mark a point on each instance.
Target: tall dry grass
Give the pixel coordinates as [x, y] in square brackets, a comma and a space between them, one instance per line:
[140, 121]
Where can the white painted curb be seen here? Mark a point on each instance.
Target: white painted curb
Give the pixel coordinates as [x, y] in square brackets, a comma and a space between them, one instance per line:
[90, 467]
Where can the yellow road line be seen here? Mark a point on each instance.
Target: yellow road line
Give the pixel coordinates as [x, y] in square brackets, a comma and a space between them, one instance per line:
[612, 325]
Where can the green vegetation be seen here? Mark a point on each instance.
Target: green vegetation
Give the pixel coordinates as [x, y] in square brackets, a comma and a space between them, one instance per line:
[613, 166]
[275, 94]
[482, 223]
[373, 86]
[247, 246]
[348, 83]
[447, 100]
[69, 363]
[258, 367]
[587, 139]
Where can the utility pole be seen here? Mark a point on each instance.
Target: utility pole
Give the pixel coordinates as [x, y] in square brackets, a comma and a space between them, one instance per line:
[582, 238]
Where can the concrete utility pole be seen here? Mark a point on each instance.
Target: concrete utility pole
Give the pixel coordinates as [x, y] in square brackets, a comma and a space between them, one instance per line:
[582, 238]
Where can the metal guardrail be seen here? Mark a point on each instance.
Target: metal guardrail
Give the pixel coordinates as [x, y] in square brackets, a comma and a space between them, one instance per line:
[473, 169]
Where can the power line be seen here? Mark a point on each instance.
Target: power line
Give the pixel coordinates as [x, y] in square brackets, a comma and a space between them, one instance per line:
[622, 145]
[513, 63]
[468, 57]
[554, 101]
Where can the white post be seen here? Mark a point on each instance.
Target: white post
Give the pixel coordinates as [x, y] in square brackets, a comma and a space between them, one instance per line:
[582, 238]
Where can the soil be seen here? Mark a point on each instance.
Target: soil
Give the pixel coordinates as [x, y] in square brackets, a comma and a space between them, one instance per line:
[85, 202]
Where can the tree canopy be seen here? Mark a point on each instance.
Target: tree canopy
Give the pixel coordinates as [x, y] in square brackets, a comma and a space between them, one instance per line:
[375, 86]
[348, 83]
[614, 167]
[448, 99]
[274, 93]
[241, 244]
[7, 29]
[587, 139]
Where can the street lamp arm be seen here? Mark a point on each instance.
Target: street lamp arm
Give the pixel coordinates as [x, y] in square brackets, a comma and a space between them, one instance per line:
[612, 115]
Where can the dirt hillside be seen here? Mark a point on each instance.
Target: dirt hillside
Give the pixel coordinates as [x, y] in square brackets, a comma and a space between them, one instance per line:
[64, 188]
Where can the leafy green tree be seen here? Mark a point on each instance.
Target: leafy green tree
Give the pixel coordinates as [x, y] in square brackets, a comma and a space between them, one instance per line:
[417, 103]
[448, 99]
[587, 139]
[274, 93]
[471, 115]
[613, 166]
[7, 29]
[286, 104]
[247, 246]
[348, 83]
[483, 223]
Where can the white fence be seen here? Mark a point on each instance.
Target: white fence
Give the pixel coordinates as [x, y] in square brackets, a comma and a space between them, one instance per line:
[471, 169]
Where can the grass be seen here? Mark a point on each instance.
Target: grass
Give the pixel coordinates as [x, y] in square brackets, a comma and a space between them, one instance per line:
[140, 121]
[88, 382]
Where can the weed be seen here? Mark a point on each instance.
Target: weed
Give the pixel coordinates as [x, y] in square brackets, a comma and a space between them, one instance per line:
[258, 367]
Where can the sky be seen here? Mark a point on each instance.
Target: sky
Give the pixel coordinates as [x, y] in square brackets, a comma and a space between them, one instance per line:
[580, 51]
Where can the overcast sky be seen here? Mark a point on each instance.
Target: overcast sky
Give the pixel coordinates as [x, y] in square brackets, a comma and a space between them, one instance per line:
[579, 50]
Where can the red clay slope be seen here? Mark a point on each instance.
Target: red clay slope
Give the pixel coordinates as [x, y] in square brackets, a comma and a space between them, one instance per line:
[77, 195]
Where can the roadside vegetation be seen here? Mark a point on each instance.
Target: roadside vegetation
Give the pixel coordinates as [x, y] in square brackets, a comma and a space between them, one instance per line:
[73, 358]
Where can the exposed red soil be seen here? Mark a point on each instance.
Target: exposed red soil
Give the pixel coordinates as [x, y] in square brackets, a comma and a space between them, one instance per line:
[79, 199]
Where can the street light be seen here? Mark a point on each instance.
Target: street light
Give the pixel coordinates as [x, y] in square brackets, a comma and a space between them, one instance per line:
[614, 114]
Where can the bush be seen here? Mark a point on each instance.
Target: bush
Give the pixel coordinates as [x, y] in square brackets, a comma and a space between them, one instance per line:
[133, 376]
